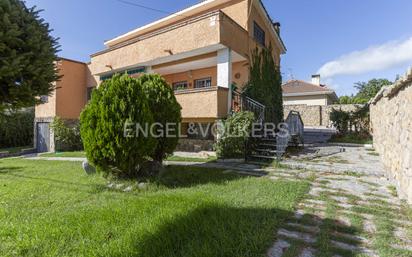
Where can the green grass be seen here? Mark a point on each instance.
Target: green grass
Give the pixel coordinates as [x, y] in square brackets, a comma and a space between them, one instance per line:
[351, 139]
[353, 174]
[191, 159]
[81, 154]
[393, 191]
[77, 154]
[15, 149]
[55, 209]
[373, 153]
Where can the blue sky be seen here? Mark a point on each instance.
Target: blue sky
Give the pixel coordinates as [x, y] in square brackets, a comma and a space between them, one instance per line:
[345, 40]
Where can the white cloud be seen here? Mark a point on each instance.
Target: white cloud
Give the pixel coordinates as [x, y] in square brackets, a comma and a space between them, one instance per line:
[374, 58]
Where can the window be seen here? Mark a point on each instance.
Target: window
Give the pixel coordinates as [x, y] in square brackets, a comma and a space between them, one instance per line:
[259, 34]
[202, 83]
[44, 99]
[89, 93]
[181, 85]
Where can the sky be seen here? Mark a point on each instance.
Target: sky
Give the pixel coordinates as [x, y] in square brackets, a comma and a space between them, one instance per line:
[346, 41]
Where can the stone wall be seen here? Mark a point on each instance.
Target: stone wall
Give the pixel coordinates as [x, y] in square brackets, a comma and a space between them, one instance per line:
[318, 115]
[194, 145]
[391, 125]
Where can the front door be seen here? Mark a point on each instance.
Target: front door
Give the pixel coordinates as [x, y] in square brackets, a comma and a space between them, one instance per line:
[43, 137]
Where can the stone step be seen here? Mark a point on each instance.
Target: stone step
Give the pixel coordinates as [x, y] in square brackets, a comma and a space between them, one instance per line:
[352, 248]
[306, 228]
[278, 248]
[307, 252]
[305, 237]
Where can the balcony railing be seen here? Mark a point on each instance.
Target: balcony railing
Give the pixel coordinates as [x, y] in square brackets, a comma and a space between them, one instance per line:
[241, 102]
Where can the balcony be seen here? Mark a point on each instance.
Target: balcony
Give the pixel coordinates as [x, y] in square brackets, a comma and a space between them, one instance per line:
[195, 36]
[203, 103]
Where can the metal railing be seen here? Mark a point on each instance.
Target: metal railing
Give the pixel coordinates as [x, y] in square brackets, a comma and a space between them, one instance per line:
[294, 133]
[241, 102]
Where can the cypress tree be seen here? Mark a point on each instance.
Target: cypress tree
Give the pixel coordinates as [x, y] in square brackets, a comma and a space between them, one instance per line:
[28, 53]
[265, 84]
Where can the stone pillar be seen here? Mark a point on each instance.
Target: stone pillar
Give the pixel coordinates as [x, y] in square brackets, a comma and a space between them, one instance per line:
[224, 72]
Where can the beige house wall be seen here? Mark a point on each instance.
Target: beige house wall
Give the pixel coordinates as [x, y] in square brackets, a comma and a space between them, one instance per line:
[257, 15]
[188, 37]
[207, 104]
[391, 125]
[305, 100]
[48, 109]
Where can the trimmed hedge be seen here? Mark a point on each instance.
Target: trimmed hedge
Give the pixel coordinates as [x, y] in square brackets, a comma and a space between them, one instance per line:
[16, 129]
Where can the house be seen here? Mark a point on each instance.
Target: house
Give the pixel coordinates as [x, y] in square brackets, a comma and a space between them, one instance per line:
[298, 92]
[201, 51]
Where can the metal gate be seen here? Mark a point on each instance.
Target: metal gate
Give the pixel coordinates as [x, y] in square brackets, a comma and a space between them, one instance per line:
[43, 137]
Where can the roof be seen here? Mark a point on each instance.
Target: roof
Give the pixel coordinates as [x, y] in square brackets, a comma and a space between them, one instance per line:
[69, 60]
[181, 15]
[303, 88]
[299, 86]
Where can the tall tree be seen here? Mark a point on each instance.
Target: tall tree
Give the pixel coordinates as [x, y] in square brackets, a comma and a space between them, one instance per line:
[366, 91]
[27, 55]
[265, 84]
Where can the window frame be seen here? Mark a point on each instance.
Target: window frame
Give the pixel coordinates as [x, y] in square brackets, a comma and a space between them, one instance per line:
[179, 83]
[259, 34]
[205, 80]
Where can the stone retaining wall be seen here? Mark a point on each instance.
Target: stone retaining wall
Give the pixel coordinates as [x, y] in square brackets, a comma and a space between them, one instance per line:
[391, 125]
[318, 115]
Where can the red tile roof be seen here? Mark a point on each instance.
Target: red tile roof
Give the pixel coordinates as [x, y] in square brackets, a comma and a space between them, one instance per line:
[299, 86]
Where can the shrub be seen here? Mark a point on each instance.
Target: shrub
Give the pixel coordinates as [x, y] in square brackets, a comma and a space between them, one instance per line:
[351, 121]
[165, 109]
[117, 101]
[236, 129]
[67, 135]
[16, 128]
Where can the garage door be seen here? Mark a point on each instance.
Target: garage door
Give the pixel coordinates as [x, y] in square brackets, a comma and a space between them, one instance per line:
[43, 137]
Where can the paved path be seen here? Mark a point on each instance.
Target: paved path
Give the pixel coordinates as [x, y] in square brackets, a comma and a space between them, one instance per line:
[337, 159]
[343, 216]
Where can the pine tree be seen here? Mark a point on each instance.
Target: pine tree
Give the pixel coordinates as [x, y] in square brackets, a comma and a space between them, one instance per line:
[27, 55]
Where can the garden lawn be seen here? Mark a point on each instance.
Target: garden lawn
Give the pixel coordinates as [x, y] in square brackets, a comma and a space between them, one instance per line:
[75, 154]
[81, 154]
[54, 209]
[351, 139]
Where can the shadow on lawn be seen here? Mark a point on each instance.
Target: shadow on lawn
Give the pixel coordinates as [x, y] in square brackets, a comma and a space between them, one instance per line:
[10, 170]
[220, 231]
[189, 176]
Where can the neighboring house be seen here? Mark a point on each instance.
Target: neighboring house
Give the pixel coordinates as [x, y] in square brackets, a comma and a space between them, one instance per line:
[298, 92]
[200, 51]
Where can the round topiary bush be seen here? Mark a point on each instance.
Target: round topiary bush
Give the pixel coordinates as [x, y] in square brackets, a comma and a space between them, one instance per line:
[118, 101]
[166, 111]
